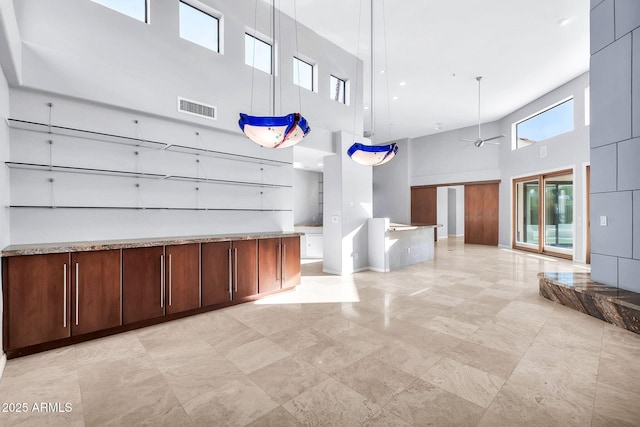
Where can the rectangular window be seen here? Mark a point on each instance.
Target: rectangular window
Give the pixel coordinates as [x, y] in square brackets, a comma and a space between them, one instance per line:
[337, 89]
[303, 74]
[546, 124]
[199, 27]
[257, 53]
[134, 8]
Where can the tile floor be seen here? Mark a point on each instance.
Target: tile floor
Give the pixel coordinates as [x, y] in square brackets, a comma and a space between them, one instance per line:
[462, 340]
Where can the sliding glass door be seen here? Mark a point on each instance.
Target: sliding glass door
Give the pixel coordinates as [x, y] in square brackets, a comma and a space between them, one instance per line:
[543, 214]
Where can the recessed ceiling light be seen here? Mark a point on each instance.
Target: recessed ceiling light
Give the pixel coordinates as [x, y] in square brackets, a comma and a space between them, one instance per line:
[395, 98]
[403, 83]
[564, 21]
[381, 71]
[366, 108]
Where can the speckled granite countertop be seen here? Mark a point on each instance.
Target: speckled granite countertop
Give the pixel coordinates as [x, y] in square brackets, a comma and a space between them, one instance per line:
[52, 248]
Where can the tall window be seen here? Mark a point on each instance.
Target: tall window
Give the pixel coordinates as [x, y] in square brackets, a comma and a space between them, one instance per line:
[303, 74]
[257, 53]
[199, 27]
[544, 125]
[134, 8]
[337, 89]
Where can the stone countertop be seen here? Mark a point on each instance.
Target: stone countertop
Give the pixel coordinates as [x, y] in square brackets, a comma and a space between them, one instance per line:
[51, 248]
[402, 227]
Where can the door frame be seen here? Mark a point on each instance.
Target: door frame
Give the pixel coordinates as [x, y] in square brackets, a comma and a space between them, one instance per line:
[540, 177]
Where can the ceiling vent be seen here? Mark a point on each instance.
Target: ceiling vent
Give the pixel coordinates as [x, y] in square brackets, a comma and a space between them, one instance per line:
[197, 108]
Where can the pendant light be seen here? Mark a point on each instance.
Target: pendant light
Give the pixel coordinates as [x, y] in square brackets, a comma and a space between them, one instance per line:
[372, 155]
[274, 131]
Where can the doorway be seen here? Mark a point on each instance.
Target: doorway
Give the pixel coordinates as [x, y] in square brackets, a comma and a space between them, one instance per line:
[543, 213]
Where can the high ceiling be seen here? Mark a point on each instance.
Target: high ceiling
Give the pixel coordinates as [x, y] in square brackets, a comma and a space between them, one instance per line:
[522, 48]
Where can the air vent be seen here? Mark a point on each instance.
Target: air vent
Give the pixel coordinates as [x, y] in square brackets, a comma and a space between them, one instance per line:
[196, 108]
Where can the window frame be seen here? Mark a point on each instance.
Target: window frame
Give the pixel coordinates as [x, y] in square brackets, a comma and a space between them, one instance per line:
[345, 98]
[313, 66]
[206, 11]
[272, 60]
[516, 144]
[147, 8]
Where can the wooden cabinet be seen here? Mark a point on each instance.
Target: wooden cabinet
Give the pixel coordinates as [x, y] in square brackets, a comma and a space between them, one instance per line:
[290, 262]
[142, 283]
[95, 290]
[37, 299]
[269, 266]
[229, 271]
[278, 263]
[217, 265]
[182, 277]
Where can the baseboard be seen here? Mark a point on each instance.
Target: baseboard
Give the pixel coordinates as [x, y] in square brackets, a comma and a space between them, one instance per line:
[3, 363]
[379, 270]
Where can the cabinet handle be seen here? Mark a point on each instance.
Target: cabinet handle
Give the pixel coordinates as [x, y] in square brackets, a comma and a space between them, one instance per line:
[64, 297]
[170, 293]
[161, 280]
[235, 267]
[230, 278]
[77, 293]
[284, 261]
[278, 256]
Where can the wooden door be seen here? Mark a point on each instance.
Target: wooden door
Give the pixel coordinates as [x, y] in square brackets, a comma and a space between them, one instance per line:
[37, 299]
[95, 287]
[290, 262]
[217, 265]
[182, 277]
[245, 268]
[481, 213]
[142, 283]
[424, 207]
[269, 265]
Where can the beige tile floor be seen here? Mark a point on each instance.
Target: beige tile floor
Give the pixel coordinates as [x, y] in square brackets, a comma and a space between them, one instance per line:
[463, 340]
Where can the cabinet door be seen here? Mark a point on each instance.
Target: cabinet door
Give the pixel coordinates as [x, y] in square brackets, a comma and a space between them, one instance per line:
[269, 265]
[290, 262]
[245, 268]
[217, 265]
[95, 287]
[182, 267]
[38, 299]
[142, 283]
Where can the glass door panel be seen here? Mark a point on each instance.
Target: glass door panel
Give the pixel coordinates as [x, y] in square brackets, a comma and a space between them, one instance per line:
[527, 213]
[558, 210]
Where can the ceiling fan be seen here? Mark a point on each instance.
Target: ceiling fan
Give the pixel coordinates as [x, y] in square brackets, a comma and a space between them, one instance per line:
[479, 142]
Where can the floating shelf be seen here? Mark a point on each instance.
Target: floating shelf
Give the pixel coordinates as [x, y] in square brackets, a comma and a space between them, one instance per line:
[156, 208]
[80, 133]
[138, 142]
[56, 168]
[226, 182]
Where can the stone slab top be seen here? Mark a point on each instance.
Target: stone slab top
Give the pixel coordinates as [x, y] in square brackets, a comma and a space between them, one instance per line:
[581, 282]
[52, 248]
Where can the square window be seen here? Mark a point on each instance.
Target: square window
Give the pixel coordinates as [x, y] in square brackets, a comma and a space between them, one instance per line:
[136, 9]
[257, 53]
[302, 74]
[337, 89]
[199, 27]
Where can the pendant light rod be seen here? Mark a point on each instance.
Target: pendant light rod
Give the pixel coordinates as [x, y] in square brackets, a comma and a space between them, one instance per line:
[478, 79]
[372, 79]
[273, 58]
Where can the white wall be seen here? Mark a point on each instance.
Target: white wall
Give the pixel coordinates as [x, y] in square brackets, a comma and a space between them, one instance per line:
[103, 80]
[391, 198]
[443, 212]
[566, 151]
[306, 189]
[347, 209]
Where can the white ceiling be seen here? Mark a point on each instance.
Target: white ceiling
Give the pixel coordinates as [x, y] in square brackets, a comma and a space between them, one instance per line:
[438, 47]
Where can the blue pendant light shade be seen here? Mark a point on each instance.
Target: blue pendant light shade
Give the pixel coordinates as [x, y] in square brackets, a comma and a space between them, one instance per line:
[274, 132]
[372, 155]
